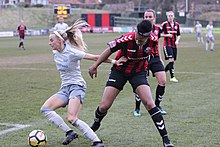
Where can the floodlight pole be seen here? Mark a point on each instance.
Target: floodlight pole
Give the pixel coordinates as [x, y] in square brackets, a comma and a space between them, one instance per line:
[187, 4]
[20, 15]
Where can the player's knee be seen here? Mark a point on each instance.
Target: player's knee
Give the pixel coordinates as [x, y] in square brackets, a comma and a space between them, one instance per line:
[44, 109]
[71, 118]
[103, 107]
[149, 105]
[162, 82]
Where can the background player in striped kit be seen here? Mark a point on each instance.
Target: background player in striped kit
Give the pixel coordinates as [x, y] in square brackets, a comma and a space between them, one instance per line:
[21, 30]
[155, 66]
[171, 43]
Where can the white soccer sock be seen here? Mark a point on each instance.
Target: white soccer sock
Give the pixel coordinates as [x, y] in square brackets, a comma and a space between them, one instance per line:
[86, 130]
[212, 45]
[198, 40]
[202, 40]
[207, 46]
[55, 119]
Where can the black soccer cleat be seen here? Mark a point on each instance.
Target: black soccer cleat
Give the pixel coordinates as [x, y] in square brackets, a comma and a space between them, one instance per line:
[98, 144]
[167, 144]
[70, 135]
[95, 126]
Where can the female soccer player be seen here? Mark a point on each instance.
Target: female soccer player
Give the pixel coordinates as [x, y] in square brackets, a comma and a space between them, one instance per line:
[68, 49]
[135, 46]
[155, 65]
[170, 43]
[21, 29]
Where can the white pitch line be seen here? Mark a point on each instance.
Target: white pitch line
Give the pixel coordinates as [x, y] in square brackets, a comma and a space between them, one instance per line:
[197, 73]
[15, 127]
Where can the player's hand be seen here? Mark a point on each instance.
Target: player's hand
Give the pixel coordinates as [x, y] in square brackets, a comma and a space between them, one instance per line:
[162, 61]
[176, 42]
[121, 61]
[93, 71]
[169, 35]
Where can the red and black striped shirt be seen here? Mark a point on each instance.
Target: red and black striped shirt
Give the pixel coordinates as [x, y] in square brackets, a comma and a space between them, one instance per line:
[157, 31]
[167, 28]
[137, 57]
[21, 30]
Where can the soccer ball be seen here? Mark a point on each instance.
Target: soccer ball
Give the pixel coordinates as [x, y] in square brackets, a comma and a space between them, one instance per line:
[37, 138]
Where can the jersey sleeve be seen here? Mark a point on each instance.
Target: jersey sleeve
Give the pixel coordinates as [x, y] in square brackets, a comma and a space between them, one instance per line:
[114, 46]
[178, 30]
[119, 43]
[163, 27]
[77, 54]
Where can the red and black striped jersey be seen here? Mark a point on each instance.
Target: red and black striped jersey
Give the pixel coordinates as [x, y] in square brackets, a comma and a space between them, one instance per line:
[21, 30]
[137, 56]
[167, 28]
[157, 31]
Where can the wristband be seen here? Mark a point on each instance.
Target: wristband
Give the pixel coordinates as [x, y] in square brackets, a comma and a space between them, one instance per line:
[113, 61]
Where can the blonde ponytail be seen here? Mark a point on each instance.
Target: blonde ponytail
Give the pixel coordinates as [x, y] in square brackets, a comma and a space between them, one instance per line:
[74, 35]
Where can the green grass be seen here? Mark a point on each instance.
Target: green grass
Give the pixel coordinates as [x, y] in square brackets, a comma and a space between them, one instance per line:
[38, 18]
[29, 77]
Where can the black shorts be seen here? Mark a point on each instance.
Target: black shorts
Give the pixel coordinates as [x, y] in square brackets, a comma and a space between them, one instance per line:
[118, 79]
[21, 37]
[155, 65]
[170, 52]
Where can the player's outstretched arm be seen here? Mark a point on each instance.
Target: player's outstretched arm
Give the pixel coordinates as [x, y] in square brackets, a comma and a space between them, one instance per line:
[103, 57]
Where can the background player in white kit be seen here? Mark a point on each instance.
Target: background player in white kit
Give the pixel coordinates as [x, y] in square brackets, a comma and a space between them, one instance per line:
[209, 37]
[199, 33]
[61, 25]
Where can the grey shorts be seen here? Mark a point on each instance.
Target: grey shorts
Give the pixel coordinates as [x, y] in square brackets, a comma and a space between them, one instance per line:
[71, 91]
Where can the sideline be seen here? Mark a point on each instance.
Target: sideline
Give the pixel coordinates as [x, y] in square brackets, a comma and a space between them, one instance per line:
[14, 127]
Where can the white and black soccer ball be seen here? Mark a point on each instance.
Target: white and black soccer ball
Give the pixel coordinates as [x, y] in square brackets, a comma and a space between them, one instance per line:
[37, 138]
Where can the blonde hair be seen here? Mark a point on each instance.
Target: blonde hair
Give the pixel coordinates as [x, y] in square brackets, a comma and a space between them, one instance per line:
[73, 35]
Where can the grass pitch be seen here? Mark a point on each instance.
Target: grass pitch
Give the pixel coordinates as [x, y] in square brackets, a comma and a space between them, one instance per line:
[29, 77]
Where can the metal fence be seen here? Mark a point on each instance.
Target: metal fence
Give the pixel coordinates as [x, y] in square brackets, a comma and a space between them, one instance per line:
[204, 23]
[126, 21]
[132, 22]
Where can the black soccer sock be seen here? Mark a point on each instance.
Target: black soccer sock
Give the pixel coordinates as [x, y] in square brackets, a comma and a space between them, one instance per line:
[171, 69]
[99, 115]
[20, 44]
[137, 102]
[159, 94]
[158, 121]
[168, 66]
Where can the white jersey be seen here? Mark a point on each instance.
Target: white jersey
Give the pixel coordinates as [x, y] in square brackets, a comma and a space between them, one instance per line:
[68, 64]
[209, 30]
[198, 28]
[60, 26]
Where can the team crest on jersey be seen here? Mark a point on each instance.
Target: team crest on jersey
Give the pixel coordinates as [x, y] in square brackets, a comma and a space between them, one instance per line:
[112, 44]
[156, 32]
[147, 49]
[175, 27]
